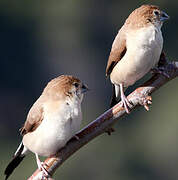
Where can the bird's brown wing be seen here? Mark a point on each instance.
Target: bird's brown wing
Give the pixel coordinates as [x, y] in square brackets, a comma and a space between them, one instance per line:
[34, 118]
[117, 52]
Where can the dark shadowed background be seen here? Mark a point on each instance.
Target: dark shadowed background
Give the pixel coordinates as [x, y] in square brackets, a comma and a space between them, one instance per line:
[40, 40]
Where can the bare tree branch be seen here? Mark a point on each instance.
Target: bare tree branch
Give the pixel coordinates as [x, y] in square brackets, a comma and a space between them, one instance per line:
[141, 96]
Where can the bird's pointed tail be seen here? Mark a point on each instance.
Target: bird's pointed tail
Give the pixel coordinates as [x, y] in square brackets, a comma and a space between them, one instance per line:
[18, 157]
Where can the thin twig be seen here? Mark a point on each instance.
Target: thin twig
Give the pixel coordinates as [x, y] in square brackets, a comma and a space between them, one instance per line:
[141, 96]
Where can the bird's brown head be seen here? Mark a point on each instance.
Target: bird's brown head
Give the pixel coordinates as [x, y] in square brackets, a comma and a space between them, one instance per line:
[146, 15]
[65, 85]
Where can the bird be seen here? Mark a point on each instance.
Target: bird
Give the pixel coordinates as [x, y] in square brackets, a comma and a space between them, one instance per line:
[136, 50]
[52, 120]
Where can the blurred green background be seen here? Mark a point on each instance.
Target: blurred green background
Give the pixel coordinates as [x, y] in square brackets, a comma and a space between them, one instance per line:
[40, 40]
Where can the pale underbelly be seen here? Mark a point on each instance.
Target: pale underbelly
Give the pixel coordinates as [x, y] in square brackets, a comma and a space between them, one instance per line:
[45, 141]
[131, 69]
[43, 145]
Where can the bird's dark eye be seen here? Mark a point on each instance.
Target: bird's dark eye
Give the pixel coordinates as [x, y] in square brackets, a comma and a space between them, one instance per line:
[76, 85]
[156, 12]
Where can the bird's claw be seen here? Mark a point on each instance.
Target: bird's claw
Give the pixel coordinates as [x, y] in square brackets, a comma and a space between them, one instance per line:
[46, 174]
[41, 176]
[41, 167]
[126, 104]
[146, 101]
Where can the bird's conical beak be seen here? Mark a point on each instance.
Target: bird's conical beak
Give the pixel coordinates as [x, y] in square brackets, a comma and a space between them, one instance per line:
[164, 16]
[84, 88]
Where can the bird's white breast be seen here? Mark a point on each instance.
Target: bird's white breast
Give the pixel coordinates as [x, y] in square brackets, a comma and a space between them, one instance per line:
[57, 127]
[144, 47]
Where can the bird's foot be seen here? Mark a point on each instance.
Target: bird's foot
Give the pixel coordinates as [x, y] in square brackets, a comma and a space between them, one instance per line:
[41, 176]
[146, 101]
[110, 131]
[41, 167]
[125, 103]
[160, 70]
